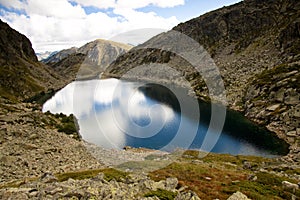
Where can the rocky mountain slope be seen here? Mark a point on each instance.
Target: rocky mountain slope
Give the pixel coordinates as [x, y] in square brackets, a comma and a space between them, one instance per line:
[21, 76]
[31, 142]
[87, 61]
[254, 44]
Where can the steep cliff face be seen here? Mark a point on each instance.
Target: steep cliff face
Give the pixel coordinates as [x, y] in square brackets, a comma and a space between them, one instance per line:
[13, 44]
[87, 61]
[245, 23]
[21, 76]
[255, 45]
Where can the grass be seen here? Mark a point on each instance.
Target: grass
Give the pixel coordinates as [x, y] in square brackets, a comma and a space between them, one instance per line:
[161, 194]
[41, 97]
[17, 81]
[205, 180]
[270, 76]
[109, 174]
[17, 183]
[63, 123]
[267, 186]
[215, 176]
[219, 176]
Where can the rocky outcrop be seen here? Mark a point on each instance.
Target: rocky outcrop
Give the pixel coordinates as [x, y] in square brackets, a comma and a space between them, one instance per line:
[238, 196]
[98, 187]
[272, 99]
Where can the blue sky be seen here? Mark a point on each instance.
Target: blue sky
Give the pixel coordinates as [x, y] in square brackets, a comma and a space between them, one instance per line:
[58, 24]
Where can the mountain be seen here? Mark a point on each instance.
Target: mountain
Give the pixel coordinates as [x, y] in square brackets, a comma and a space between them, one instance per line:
[44, 55]
[256, 46]
[87, 61]
[21, 75]
[59, 55]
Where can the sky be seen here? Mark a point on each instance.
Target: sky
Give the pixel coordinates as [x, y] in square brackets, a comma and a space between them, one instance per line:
[53, 25]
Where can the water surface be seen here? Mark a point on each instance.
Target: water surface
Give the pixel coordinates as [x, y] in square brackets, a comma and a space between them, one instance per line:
[114, 113]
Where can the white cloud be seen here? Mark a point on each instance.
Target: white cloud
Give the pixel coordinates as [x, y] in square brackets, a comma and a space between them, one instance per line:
[12, 4]
[102, 4]
[62, 24]
[134, 4]
[54, 8]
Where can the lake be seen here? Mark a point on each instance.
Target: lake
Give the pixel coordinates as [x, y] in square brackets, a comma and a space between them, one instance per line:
[115, 113]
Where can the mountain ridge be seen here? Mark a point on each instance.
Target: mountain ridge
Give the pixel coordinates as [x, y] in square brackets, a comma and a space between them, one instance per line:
[87, 61]
[246, 41]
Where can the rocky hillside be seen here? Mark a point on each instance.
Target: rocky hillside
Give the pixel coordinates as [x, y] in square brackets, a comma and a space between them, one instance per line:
[87, 61]
[32, 142]
[21, 76]
[254, 44]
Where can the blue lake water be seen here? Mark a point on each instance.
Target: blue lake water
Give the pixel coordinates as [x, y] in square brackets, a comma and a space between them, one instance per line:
[114, 113]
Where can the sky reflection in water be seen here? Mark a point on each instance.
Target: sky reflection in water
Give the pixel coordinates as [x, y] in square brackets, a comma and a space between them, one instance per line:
[113, 114]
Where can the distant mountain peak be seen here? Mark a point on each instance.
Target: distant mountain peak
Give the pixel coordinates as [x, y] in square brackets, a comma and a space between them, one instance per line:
[87, 61]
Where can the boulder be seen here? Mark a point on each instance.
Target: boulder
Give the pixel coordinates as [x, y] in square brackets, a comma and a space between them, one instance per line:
[292, 98]
[288, 185]
[171, 183]
[279, 95]
[238, 196]
[273, 107]
[187, 196]
[48, 178]
[297, 111]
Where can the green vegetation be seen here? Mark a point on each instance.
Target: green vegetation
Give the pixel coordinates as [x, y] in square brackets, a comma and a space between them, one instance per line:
[13, 184]
[68, 126]
[17, 82]
[276, 74]
[41, 97]
[109, 174]
[161, 194]
[17, 183]
[267, 186]
[64, 123]
[221, 175]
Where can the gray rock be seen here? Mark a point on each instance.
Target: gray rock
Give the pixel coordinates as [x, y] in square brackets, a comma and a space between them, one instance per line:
[171, 183]
[279, 96]
[297, 111]
[48, 178]
[238, 196]
[292, 98]
[273, 107]
[190, 195]
[292, 134]
[298, 131]
[75, 193]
